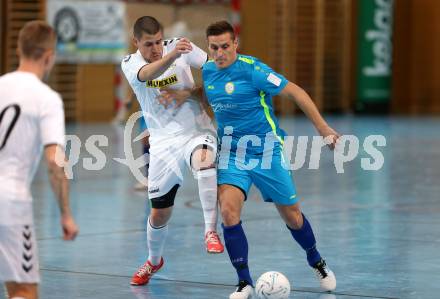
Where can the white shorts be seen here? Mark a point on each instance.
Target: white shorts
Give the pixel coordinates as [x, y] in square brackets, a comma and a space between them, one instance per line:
[168, 158]
[19, 254]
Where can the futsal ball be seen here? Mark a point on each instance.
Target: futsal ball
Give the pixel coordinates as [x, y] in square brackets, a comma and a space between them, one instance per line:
[272, 285]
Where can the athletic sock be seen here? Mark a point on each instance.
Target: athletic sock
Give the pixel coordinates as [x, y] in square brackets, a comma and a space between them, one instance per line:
[237, 246]
[207, 181]
[306, 239]
[156, 237]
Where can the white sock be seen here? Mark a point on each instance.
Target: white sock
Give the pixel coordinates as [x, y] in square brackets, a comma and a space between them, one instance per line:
[207, 181]
[156, 240]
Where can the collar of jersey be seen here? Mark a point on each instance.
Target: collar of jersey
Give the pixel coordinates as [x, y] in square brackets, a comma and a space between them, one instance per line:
[230, 66]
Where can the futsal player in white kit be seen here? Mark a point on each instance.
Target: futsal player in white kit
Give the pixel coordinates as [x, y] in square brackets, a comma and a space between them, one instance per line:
[31, 119]
[179, 135]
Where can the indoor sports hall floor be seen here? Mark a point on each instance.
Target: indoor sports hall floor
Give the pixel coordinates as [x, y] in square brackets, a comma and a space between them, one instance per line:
[379, 230]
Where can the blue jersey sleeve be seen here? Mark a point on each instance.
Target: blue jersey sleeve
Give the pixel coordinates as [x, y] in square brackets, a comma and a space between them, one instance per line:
[267, 80]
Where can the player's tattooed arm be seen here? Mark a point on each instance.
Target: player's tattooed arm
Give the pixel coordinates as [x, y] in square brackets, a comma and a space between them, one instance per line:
[56, 160]
[200, 95]
[155, 69]
[305, 103]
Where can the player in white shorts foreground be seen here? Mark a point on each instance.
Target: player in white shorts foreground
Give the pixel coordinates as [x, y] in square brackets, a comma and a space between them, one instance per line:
[31, 117]
[179, 135]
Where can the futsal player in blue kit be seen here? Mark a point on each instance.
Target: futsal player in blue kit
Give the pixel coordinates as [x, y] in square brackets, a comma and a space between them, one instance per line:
[239, 88]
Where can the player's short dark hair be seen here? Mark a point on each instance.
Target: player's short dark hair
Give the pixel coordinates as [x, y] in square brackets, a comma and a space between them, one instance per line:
[146, 24]
[219, 28]
[35, 38]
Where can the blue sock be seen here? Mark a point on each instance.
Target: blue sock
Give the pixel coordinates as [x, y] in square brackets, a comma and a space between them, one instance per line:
[304, 236]
[237, 246]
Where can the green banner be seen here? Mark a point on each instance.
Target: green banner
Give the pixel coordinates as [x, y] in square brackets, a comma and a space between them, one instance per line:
[374, 52]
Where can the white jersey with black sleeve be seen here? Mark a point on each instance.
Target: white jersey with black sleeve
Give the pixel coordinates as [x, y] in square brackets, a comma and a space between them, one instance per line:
[165, 122]
[31, 116]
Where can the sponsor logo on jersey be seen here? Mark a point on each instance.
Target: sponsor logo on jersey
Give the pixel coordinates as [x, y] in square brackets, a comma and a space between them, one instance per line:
[127, 58]
[217, 107]
[229, 87]
[153, 190]
[274, 79]
[163, 82]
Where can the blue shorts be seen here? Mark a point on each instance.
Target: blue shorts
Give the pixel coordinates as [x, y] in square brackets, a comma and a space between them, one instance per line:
[274, 180]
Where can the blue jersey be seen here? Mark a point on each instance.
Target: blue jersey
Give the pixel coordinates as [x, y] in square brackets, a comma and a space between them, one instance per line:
[241, 96]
